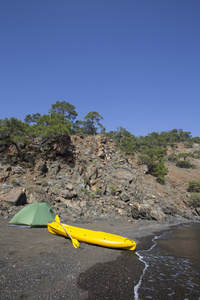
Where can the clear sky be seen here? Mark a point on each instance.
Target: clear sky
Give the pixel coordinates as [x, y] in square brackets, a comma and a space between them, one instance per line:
[135, 62]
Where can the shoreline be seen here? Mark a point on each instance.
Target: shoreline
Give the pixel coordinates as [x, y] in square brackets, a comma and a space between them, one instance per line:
[118, 277]
[36, 264]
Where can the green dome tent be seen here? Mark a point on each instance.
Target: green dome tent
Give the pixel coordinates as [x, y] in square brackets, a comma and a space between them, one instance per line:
[34, 215]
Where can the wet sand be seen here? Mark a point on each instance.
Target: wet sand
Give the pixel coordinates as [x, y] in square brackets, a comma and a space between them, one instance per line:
[36, 264]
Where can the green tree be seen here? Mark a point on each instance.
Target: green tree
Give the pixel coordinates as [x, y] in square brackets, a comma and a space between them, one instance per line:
[196, 139]
[57, 123]
[92, 123]
[154, 159]
[32, 118]
[78, 127]
[65, 109]
[160, 171]
[125, 141]
[53, 126]
[13, 132]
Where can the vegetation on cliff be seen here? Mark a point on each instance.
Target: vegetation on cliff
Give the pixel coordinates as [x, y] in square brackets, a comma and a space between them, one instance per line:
[61, 122]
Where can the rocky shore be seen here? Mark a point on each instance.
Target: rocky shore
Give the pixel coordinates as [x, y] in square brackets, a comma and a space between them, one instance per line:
[35, 264]
[88, 178]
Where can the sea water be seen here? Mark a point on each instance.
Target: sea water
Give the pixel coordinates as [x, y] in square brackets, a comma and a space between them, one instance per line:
[171, 266]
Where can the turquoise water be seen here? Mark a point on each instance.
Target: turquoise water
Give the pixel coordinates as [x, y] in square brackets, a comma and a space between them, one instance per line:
[171, 266]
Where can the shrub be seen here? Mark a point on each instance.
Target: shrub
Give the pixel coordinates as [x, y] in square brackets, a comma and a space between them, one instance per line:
[98, 191]
[155, 165]
[155, 153]
[160, 171]
[196, 140]
[194, 200]
[92, 196]
[46, 148]
[172, 157]
[194, 186]
[144, 159]
[197, 154]
[113, 190]
[185, 155]
[85, 191]
[185, 164]
[189, 144]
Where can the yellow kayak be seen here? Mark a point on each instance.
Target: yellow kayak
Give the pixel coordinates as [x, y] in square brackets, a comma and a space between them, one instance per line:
[92, 237]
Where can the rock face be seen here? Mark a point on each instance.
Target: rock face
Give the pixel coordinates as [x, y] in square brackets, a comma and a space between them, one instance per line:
[90, 179]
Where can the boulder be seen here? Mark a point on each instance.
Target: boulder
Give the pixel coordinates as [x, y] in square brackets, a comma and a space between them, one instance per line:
[124, 197]
[140, 212]
[92, 172]
[41, 167]
[123, 174]
[101, 154]
[69, 194]
[17, 170]
[168, 210]
[69, 186]
[157, 214]
[16, 196]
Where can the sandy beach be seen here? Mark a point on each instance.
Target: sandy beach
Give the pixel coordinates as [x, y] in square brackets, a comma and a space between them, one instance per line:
[36, 264]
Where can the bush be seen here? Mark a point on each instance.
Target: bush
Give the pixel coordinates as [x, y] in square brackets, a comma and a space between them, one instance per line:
[85, 191]
[172, 157]
[98, 191]
[197, 154]
[194, 186]
[113, 190]
[189, 144]
[186, 155]
[155, 153]
[196, 140]
[92, 196]
[185, 164]
[144, 159]
[155, 165]
[160, 171]
[194, 200]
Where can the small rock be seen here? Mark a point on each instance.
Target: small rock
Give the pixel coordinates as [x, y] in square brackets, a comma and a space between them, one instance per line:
[69, 186]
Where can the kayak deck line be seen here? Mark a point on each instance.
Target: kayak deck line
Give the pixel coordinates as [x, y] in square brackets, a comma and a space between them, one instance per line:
[92, 237]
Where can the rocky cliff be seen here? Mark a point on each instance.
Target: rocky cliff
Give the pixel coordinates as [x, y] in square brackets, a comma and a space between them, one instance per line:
[88, 178]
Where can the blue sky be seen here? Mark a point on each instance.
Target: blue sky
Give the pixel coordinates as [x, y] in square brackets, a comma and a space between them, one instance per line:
[137, 63]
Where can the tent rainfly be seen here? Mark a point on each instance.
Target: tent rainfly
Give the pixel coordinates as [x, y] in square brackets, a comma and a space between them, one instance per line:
[34, 215]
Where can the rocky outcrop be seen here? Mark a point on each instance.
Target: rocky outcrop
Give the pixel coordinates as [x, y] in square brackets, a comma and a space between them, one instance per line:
[92, 180]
